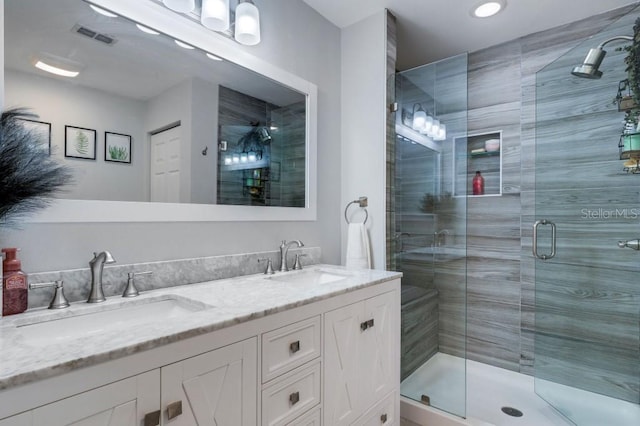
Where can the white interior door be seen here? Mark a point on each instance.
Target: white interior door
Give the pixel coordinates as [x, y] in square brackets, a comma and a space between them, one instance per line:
[165, 163]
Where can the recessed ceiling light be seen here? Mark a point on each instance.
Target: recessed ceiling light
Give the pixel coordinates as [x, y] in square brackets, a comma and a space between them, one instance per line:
[183, 44]
[55, 70]
[147, 29]
[487, 9]
[103, 12]
[214, 57]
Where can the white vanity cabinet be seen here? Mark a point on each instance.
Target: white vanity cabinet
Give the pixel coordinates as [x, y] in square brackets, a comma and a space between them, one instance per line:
[123, 403]
[360, 348]
[217, 386]
[330, 362]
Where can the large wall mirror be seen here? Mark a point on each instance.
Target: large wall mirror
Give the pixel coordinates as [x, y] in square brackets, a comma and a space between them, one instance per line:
[164, 119]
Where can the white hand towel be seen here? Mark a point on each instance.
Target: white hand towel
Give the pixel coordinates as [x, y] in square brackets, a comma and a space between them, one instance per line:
[358, 251]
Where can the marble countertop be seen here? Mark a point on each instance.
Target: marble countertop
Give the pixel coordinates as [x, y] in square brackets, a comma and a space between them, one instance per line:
[220, 304]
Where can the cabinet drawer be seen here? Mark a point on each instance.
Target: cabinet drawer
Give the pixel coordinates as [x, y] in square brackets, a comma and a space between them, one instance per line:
[289, 347]
[310, 419]
[382, 414]
[291, 395]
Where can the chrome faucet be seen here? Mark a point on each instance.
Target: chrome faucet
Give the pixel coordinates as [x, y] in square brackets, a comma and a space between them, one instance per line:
[284, 248]
[440, 237]
[97, 265]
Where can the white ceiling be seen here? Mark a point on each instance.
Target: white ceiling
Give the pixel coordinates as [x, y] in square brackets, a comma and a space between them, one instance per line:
[429, 30]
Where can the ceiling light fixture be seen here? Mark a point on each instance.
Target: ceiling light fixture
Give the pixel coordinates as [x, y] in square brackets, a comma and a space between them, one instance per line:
[184, 45]
[181, 6]
[247, 26]
[103, 12]
[147, 30]
[215, 14]
[487, 9]
[55, 70]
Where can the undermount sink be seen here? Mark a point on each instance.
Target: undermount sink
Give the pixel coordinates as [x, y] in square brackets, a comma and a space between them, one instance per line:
[87, 321]
[310, 277]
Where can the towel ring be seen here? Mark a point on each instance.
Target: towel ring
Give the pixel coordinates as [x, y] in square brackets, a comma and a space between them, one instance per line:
[362, 202]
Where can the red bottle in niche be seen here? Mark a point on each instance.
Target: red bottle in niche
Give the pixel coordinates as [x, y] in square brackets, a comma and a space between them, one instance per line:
[478, 184]
[14, 284]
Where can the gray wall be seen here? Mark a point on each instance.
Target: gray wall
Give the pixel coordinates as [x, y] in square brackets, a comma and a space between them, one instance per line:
[295, 38]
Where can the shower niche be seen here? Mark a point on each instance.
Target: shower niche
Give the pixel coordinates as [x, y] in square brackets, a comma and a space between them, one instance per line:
[480, 152]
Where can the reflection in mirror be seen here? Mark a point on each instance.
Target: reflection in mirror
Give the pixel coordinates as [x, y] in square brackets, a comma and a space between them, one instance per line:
[168, 121]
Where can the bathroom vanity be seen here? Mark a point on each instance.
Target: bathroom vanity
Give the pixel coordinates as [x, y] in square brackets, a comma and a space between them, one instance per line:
[311, 347]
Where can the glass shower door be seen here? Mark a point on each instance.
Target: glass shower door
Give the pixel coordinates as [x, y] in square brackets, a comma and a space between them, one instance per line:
[427, 233]
[587, 297]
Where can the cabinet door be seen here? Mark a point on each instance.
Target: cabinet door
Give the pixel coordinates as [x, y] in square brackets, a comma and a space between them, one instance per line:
[341, 336]
[123, 403]
[216, 388]
[377, 349]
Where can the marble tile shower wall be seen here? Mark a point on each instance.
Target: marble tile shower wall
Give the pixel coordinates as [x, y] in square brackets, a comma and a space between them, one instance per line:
[501, 298]
[165, 273]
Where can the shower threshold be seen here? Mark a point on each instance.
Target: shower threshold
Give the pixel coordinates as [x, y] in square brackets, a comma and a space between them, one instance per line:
[490, 389]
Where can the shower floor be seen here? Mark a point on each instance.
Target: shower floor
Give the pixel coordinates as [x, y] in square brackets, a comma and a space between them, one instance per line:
[490, 388]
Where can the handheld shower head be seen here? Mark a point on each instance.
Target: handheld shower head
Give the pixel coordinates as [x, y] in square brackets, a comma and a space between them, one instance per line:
[590, 65]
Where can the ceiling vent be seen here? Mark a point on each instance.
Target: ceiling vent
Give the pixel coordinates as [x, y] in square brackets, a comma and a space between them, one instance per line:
[88, 32]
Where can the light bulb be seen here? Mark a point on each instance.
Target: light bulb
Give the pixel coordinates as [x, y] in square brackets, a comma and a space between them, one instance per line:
[243, 157]
[215, 14]
[227, 160]
[247, 30]
[252, 156]
[236, 159]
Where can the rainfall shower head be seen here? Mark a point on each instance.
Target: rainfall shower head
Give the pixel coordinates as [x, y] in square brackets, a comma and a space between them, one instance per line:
[590, 65]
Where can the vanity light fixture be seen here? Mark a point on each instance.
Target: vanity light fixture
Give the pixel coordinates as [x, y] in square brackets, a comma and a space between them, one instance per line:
[103, 12]
[247, 25]
[55, 70]
[215, 14]
[181, 6]
[184, 45]
[147, 30]
[487, 8]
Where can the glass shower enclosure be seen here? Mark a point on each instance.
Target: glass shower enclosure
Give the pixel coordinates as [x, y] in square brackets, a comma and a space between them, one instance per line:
[426, 238]
[587, 296]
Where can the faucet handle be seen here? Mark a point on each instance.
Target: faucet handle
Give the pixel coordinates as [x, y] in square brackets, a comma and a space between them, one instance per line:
[131, 290]
[59, 301]
[269, 270]
[297, 265]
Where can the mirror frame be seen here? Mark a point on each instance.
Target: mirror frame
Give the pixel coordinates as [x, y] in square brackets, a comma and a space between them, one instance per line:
[154, 15]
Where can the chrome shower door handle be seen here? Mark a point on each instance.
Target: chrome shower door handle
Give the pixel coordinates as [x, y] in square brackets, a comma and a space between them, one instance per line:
[535, 239]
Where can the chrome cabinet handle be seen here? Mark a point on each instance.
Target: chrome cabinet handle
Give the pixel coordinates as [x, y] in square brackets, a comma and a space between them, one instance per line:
[632, 244]
[174, 410]
[294, 398]
[535, 239]
[152, 419]
[294, 347]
